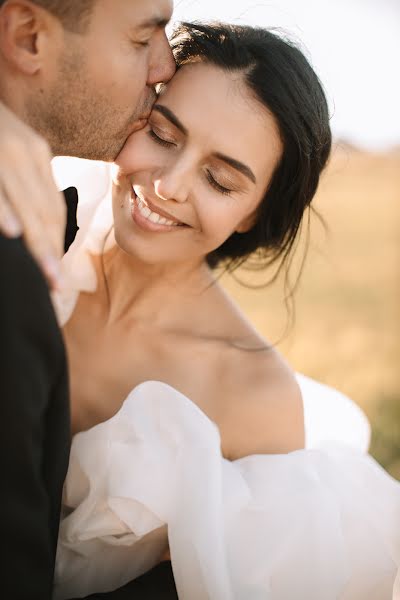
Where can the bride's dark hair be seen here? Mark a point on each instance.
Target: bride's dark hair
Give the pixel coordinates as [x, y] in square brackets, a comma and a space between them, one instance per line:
[280, 77]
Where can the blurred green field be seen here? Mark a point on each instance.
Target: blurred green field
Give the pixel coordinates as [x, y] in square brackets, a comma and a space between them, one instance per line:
[347, 313]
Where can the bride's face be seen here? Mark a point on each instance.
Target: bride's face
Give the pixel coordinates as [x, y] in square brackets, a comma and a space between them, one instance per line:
[198, 171]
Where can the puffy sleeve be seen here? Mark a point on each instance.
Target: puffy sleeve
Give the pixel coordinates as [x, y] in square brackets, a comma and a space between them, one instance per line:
[329, 415]
[316, 524]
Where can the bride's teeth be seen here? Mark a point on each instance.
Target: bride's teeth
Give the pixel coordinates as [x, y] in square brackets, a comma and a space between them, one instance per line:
[152, 216]
[146, 212]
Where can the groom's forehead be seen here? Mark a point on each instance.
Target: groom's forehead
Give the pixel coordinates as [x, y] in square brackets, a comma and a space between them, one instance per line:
[148, 13]
[134, 15]
[139, 16]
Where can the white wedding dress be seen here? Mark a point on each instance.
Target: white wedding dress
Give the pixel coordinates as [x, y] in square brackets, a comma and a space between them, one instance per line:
[321, 523]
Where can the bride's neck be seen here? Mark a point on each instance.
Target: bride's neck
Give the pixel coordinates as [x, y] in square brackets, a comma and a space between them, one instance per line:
[129, 287]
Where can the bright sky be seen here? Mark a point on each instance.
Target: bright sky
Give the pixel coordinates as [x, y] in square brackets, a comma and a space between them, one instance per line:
[354, 46]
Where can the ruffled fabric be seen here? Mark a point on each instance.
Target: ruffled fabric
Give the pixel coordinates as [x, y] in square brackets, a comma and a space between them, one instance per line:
[316, 524]
[329, 415]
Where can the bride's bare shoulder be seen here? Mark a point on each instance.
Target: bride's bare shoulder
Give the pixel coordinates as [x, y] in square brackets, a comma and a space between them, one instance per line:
[263, 407]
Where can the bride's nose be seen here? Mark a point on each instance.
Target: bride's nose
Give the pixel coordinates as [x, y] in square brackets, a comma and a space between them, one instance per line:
[172, 184]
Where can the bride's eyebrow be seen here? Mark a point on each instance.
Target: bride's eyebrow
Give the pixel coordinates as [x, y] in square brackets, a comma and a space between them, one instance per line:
[236, 164]
[168, 114]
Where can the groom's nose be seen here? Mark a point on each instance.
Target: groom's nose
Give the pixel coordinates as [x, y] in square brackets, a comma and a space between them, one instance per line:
[162, 65]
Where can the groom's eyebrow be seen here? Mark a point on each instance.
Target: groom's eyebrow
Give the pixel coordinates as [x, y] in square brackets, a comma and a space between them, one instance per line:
[168, 114]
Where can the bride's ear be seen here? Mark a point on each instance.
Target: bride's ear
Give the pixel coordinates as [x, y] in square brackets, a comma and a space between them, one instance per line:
[247, 223]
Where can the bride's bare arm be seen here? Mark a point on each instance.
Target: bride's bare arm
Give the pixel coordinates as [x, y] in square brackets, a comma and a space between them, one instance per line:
[30, 204]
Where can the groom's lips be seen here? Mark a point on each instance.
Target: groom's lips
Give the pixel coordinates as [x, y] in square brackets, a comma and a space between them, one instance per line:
[139, 124]
[141, 121]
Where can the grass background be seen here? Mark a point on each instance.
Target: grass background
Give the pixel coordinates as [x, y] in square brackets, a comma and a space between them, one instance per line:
[347, 315]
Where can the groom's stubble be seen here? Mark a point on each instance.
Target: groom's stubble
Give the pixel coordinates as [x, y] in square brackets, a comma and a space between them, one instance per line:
[76, 116]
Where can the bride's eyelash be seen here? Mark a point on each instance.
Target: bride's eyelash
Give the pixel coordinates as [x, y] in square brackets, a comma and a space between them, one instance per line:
[220, 188]
[216, 185]
[159, 140]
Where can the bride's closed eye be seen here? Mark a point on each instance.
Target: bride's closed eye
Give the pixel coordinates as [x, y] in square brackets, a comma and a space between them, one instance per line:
[160, 140]
[220, 188]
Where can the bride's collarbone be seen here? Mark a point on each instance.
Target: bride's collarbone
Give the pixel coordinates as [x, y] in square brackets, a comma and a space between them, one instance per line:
[208, 364]
[188, 334]
[105, 367]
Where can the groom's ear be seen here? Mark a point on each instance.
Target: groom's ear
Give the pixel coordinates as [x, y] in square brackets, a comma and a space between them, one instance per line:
[26, 34]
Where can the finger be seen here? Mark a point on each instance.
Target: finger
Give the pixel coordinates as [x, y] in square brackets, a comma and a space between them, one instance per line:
[42, 239]
[10, 225]
[56, 215]
[33, 190]
[43, 253]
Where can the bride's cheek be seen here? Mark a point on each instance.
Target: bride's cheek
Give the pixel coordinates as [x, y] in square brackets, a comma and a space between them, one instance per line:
[129, 157]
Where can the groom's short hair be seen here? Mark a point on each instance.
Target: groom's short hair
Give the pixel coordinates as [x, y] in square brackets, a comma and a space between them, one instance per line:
[74, 14]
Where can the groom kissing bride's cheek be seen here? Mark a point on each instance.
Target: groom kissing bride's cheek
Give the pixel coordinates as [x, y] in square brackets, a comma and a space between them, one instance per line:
[196, 469]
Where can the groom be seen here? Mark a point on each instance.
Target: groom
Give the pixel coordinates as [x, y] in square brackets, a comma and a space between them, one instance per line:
[82, 74]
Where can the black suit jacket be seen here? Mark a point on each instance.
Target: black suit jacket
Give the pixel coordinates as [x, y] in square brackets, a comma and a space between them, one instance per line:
[35, 433]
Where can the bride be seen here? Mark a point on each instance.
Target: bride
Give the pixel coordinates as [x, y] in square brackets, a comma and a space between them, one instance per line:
[189, 426]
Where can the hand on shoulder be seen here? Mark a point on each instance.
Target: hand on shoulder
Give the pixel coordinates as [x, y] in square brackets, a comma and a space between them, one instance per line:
[30, 204]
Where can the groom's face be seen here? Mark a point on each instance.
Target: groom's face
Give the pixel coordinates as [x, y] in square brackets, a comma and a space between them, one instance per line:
[101, 88]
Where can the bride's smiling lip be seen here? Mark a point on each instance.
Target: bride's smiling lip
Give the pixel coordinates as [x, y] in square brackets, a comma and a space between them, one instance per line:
[154, 208]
